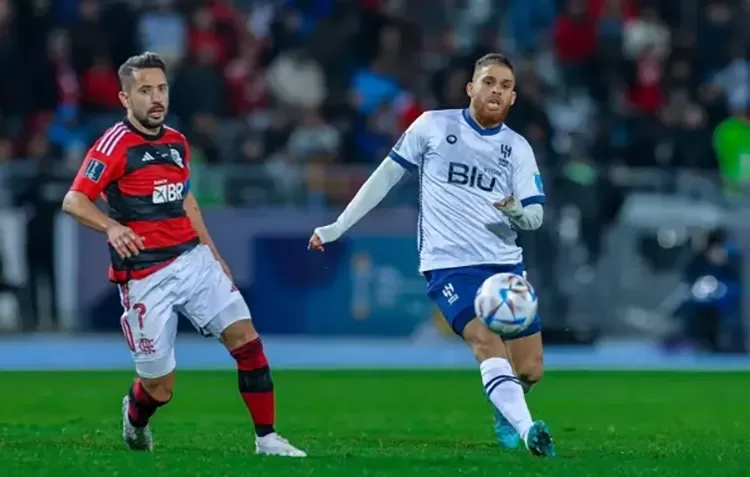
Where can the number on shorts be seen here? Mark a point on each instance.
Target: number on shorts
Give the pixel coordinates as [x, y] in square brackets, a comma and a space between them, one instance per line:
[140, 309]
[127, 332]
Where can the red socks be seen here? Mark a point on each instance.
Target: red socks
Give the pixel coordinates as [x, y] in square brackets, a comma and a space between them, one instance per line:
[141, 406]
[255, 385]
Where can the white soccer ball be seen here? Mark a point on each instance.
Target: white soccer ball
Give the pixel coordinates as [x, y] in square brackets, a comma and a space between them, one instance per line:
[506, 303]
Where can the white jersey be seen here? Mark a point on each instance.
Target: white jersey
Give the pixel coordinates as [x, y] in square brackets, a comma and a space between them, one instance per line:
[463, 169]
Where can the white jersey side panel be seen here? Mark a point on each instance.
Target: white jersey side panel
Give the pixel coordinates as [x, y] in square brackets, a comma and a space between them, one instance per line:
[462, 170]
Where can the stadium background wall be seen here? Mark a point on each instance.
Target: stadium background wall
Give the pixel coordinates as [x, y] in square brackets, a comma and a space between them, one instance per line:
[362, 297]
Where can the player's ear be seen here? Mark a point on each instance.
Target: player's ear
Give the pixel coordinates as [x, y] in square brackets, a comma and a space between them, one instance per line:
[124, 99]
[513, 98]
[470, 89]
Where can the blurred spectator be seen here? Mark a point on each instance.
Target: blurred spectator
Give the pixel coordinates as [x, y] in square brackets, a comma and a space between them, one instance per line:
[574, 36]
[732, 82]
[52, 77]
[10, 60]
[711, 313]
[66, 133]
[528, 116]
[296, 79]
[164, 31]
[714, 33]
[646, 34]
[198, 88]
[41, 198]
[247, 87]
[100, 87]
[89, 35]
[204, 40]
[6, 154]
[314, 139]
[529, 21]
[731, 142]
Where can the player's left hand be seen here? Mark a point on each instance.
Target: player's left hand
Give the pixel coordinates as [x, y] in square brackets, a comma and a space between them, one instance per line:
[509, 206]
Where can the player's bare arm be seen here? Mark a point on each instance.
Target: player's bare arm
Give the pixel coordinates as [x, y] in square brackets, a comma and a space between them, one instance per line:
[372, 192]
[193, 211]
[125, 242]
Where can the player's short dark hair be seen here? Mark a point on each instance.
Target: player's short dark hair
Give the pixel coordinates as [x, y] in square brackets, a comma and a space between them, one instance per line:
[493, 59]
[143, 61]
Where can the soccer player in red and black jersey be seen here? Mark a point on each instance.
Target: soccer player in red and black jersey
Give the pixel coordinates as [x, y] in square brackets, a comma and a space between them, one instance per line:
[163, 258]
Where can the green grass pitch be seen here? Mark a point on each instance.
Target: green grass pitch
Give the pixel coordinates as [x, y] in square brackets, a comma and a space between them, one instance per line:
[381, 423]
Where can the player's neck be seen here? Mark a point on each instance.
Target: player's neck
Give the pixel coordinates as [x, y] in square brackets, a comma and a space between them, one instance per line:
[141, 128]
[482, 123]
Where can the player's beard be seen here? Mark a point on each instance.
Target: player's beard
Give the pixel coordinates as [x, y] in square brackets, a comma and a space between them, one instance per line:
[489, 117]
[149, 123]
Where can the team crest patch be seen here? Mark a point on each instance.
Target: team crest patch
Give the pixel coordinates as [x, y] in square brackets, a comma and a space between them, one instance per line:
[94, 170]
[538, 182]
[176, 157]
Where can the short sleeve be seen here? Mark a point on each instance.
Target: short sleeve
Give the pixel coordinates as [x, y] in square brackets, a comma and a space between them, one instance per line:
[97, 171]
[410, 148]
[527, 181]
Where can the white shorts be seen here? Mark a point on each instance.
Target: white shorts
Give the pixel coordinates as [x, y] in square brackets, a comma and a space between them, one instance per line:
[194, 285]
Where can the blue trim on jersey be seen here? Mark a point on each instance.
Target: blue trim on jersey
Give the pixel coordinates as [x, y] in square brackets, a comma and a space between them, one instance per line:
[402, 162]
[534, 199]
[476, 127]
[186, 189]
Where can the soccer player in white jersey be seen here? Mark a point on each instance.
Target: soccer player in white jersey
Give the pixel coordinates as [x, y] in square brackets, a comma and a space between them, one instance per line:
[478, 183]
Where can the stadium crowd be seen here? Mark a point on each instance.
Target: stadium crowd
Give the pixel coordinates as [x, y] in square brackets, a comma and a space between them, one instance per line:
[290, 83]
[295, 101]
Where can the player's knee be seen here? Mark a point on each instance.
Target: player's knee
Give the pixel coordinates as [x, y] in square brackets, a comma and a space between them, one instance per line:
[160, 389]
[484, 343]
[239, 333]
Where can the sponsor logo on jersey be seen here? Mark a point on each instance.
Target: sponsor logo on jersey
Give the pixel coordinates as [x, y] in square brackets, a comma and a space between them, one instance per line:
[470, 176]
[165, 193]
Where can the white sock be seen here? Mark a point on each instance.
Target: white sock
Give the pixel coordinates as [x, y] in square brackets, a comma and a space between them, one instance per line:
[505, 391]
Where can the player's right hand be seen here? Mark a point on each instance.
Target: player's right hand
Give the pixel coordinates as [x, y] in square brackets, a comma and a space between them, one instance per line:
[125, 242]
[321, 235]
[315, 243]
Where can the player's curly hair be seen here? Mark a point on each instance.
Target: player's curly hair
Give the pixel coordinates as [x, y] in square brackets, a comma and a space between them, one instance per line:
[147, 59]
[493, 59]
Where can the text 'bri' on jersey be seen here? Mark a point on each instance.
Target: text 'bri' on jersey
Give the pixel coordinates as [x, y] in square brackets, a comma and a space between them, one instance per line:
[144, 179]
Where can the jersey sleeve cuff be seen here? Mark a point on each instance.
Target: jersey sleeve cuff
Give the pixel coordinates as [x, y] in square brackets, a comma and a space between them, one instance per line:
[409, 166]
[534, 199]
[91, 195]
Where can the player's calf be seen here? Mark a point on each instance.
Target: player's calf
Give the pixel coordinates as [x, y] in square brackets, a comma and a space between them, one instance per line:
[254, 374]
[529, 374]
[144, 398]
[501, 385]
[527, 357]
[256, 387]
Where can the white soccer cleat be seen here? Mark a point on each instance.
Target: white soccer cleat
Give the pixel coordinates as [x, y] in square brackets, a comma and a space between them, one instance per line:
[136, 438]
[274, 444]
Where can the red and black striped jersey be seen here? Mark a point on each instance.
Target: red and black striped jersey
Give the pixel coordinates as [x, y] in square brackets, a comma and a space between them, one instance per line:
[144, 178]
